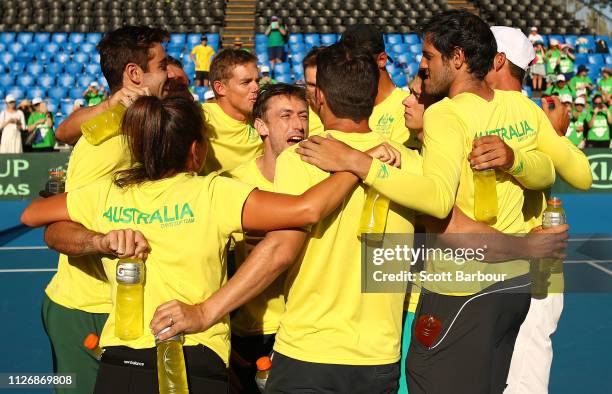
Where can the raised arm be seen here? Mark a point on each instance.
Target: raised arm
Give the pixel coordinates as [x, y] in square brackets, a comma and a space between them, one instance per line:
[44, 211]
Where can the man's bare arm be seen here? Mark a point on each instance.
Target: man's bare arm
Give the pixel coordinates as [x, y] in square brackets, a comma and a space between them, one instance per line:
[69, 131]
[72, 239]
[273, 255]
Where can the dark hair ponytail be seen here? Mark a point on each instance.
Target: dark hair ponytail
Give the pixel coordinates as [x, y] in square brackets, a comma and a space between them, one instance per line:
[159, 134]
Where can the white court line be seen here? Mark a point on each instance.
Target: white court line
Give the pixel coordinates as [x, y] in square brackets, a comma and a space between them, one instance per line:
[588, 239]
[28, 270]
[23, 247]
[586, 261]
[607, 271]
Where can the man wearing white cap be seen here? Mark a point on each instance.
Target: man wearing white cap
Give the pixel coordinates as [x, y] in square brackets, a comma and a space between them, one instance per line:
[532, 356]
[560, 88]
[92, 95]
[534, 36]
[265, 77]
[579, 117]
[12, 122]
[40, 122]
[553, 57]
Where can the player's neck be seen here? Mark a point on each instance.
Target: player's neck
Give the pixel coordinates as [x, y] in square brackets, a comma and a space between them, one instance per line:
[385, 87]
[346, 125]
[266, 164]
[231, 111]
[465, 83]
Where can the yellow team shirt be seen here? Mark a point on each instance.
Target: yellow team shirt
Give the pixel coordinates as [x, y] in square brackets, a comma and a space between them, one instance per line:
[203, 57]
[232, 142]
[315, 126]
[387, 119]
[187, 221]
[450, 127]
[80, 283]
[261, 315]
[328, 318]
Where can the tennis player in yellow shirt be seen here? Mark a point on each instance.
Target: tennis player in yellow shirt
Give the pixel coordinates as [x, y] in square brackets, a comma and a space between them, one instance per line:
[201, 55]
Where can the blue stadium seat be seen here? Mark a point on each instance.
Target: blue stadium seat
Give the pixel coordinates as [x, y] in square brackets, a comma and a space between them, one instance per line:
[36, 92]
[87, 47]
[175, 48]
[7, 37]
[394, 38]
[581, 58]
[596, 59]
[76, 38]
[52, 107]
[528, 90]
[284, 78]
[84, 80]
[57, 93]
[93, 38]
[400, 48]
[557, 37]
[412, 39]
[65, 80]
[590, 42]
[537, 101]
[17, 67]
[200, 90]
[297, 57]
[193, 39]
[261, 39]
[92, 68]
[392, 69]
[46, 80]
[73, 68]
[413, 69]
[57, 119]
[177, 39]
[42, 37]
[15, 48]
[328, 39]
[61, 58]
[95, 57]
[282, 68]
[296, 38]
[608, 59]
[25, 38]
[69, 47]
[262, 58]
[25, 81]
[298, 68]
[81, 57]
[312, 39]
[53, 68]
[18, 92]
[402, 59]
[66, 107]
[7, 79]
[571, 40]
[7, 58]
[297, 47]
[25, 57]
[34, 69]
[2, 48]
[52, 48]
[75, 92]
[59, 38]
[400, 80]
[416, 48]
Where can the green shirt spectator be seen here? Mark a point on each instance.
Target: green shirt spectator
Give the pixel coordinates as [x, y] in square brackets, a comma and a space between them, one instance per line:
[599, 123]
[552, 58]
[265, 77]
[581, 80]
[93, 95]
[578, 122]
[560, 88]
[41, 122]
[605, 84]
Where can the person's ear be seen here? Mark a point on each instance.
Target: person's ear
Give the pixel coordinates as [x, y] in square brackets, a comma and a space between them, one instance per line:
[458, 58]
[499, 61]
[198, 155]
[261, 127]
[319, 98]
[133, 73]
[381, 60]
[219, 88]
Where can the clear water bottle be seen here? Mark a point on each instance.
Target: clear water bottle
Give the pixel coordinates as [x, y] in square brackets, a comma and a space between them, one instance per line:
[104, 126]
[263, 371]
[92, 342]
[485, 196]
[56, 183]
[554, 215]
[171, 370]
[374, 215]
[129, 320]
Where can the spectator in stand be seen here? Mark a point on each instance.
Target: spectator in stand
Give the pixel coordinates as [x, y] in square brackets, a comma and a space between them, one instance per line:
[566, 62]
[26, 107]
[538, 66]
[93, 95]
[601, 47]
[582, 45]
[12, 122]
[202, 57]
[265, 77]
[578, 115]
[40, 123]
[78, 103]
[276, 42]
[605, 85]
[581, 80]
[552, 61]
[560, 88]
[599, 124]
[534, 36]
[209, 96]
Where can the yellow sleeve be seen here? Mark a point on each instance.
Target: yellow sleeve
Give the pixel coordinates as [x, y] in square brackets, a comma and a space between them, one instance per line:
[227, 197]
[532, 169]
[569, 161]
[194, 50]
[434, 192]
[291, 175]
[85, 205]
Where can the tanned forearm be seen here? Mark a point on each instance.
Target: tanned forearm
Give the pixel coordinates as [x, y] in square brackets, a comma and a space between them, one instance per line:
[69, 131]
[72, 239]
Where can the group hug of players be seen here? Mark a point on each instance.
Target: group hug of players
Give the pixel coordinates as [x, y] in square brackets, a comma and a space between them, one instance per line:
[280, 174]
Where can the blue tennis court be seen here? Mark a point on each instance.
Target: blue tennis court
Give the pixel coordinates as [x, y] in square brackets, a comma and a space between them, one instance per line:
[582, 343]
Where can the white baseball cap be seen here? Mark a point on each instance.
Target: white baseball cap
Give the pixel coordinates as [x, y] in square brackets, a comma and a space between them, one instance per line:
[209, 95]
[566, 98]
[581, 92]
[560, 77]
[514, 44]
[10, 98]
[36, 101]
[533, 28]
[79, 103]
[195, 97]
[580, 101]
[554, 41]
[94, 84]
[265, 69]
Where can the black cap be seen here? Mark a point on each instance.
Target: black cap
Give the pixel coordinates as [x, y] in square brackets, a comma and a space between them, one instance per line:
[204, 38]
[582, 67]
[367, 37]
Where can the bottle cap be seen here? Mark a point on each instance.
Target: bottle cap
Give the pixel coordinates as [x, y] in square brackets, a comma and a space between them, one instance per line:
[554, 201]
[177, 338]
[91, 341]
[129, 272]
[264, 363]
